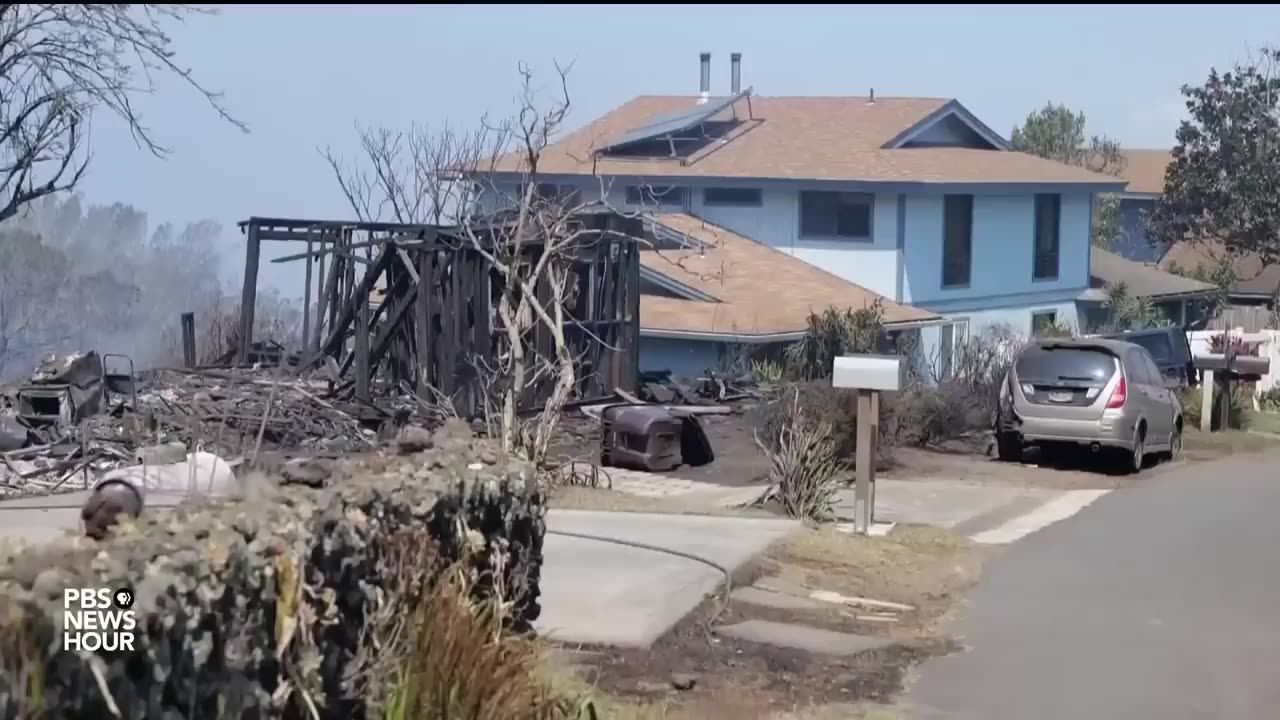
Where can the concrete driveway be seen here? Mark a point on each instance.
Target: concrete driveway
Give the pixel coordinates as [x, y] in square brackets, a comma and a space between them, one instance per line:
[605, 593]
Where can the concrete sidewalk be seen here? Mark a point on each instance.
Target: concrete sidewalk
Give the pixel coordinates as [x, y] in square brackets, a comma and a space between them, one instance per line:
[602, 592]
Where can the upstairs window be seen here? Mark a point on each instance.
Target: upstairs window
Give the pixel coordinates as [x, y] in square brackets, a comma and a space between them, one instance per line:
[656, 196]
[1048, 214]
[836, 215]
[732, 197]
[957, 240]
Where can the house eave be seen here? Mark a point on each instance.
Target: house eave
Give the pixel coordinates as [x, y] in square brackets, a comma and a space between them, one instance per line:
[1008, 187]
[762, 338]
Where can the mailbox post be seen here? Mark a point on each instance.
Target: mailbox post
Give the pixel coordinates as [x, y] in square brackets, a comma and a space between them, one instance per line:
[869, 375]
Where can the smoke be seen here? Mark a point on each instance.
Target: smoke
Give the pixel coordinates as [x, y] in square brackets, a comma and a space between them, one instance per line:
[75, 278]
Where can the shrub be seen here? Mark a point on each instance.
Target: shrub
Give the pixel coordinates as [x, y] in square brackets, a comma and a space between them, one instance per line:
[836, 408]
[805, 472]
[767, 372]
[834, 333]
[927, 415]
[1237, 417]
[1270, 400]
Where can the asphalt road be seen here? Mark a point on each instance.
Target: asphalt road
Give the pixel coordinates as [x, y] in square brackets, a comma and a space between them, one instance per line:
[1158, 601]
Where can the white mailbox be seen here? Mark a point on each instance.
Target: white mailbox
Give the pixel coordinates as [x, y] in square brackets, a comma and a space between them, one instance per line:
[869, 372]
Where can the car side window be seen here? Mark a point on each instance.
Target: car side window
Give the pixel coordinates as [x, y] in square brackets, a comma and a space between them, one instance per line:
[1136, 366]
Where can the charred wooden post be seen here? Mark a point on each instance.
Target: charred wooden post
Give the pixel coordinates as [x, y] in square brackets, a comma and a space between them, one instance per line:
[306, 300]
[322, 286]
[188, 340]
[249, 292]
[362, 352]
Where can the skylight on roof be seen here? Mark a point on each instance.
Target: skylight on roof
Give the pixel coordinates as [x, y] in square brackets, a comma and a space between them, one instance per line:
[680, 133]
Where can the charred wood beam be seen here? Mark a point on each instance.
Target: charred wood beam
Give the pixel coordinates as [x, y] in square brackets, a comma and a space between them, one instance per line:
[306, 305]
[248, 293]
[320, 303]
[350, 307]
[401, 240]
[388, 332]
[426, 333]
[362, 354]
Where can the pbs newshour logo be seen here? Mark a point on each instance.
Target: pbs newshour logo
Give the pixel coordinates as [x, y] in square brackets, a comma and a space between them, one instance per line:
[98, 619]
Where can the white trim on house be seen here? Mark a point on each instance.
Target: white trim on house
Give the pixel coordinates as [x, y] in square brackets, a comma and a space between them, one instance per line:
[761, 338]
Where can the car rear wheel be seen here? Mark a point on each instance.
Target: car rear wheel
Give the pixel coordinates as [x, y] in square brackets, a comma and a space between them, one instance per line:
[1009, 447]
[1135, 459]
[1175, 443]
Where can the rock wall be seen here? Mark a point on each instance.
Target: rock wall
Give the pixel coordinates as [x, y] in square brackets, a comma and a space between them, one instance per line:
[255, 608]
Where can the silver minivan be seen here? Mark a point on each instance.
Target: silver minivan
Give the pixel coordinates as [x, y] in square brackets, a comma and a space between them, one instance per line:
[1104, 395]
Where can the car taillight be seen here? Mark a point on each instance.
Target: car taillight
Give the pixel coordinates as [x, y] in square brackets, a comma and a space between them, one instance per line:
[1118, 395]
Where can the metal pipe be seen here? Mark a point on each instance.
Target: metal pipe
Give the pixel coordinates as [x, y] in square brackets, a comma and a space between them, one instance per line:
[705, 87]
[735, 73]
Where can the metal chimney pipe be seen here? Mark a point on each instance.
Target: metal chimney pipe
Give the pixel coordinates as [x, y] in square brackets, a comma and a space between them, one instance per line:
[735, 73]
[705, 88]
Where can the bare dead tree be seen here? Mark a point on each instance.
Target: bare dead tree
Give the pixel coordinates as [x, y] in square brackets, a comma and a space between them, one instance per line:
[528, 239]
[60, 63]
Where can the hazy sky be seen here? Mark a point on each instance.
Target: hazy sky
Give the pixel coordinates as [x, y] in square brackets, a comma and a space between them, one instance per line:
[301, 77]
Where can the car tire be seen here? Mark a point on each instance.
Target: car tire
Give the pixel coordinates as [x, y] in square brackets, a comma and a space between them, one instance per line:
[1009, 447]
[1175, 443]
[1136, 458]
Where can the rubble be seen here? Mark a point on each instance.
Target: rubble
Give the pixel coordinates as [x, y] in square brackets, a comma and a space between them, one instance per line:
[239, 415]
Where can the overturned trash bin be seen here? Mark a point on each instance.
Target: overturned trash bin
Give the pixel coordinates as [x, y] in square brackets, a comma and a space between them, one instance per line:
[651, 437]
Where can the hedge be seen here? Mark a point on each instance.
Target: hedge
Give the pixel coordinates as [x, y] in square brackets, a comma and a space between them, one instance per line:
[257, 607]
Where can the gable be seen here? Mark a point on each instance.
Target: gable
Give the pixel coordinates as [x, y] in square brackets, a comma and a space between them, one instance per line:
[951, 125]
[949, 131]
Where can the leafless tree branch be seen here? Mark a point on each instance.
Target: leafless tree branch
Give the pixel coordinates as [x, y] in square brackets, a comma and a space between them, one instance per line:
[60, 63]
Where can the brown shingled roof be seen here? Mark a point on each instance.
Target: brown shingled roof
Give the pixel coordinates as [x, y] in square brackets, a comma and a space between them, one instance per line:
[1144, 170]
[1255, 278]
[1108, 268]
[761, 290]
[809, 138]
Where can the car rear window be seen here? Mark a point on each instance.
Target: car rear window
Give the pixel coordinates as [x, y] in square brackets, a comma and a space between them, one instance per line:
[1158, 345]
[1037, 364]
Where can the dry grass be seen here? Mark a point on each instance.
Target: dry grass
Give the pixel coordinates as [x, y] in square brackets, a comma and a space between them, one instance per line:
[432, 650]
[925, 567]
[1208, 446]
[722, 705]
[1266, 422]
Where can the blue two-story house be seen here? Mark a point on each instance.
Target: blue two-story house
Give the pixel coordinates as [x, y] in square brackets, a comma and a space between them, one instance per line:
[913, 199]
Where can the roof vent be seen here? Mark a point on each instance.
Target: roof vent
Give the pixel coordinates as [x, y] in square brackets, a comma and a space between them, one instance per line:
[705, 86]
[735, 73]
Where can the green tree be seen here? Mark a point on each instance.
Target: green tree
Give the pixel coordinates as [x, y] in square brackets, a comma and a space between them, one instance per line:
[1224, 180]
[1056, 133]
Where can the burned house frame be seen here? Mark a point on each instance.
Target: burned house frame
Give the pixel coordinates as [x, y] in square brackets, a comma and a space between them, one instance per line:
[404, 338]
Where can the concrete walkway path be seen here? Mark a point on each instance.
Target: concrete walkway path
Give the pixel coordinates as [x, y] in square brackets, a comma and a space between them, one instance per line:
[1158, 601]
[602, 592]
